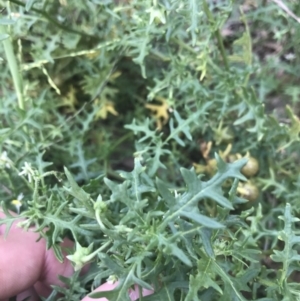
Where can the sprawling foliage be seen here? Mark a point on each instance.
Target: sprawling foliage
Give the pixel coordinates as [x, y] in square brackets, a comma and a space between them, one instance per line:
[162, 137]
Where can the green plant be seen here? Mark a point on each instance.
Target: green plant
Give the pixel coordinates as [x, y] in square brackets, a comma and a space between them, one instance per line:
[107, 105]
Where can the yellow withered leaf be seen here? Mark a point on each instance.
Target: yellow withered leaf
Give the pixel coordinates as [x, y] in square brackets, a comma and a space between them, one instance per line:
[70, 99]
[160, 111]
[108, 107]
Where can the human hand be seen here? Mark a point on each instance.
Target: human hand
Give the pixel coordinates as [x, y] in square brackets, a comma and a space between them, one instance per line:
[28, 269]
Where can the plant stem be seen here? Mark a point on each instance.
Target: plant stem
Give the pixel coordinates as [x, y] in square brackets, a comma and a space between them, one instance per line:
[13, 67]
[221, 48]
[217, 34]
[15, 72]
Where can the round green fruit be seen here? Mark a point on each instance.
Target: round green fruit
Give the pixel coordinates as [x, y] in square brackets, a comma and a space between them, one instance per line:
[251, 168]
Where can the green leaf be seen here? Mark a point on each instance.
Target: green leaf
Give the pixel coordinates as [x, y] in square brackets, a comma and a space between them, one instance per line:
[206, 241]
[4, 131]
[58, 253]
[29, 4]
[168, 247]
[179, 254]
[75, 190]
[5, 21]
[82, 163]
[111, 264]
[183, 126]
[202, 219]
[191, 180]
[199, 282]
[256, 112]
[165, 193]
[8, 220]
[4, 36]
[287, 256]
[293, 131]
[187, 204]
[111, 295]
[166, 291]
[142, 128]
[230, 288]
[215, 193]
[120, 293]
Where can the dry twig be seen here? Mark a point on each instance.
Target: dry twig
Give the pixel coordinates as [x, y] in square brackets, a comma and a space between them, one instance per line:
[286, 9]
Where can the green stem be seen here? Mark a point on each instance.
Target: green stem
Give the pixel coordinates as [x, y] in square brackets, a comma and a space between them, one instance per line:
[184, 45]
[120, 140]
[16, 74]
[13, 67]
[217, 34]
[221, 48]
[159, 55]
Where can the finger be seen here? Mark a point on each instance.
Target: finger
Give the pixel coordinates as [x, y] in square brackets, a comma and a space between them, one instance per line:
[21, 262]
[133, 293]
[30, 294]
[52, 268]
[104, 287]
[24, 262]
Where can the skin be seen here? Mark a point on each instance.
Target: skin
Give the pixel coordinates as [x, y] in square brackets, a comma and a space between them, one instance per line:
[28, 269]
